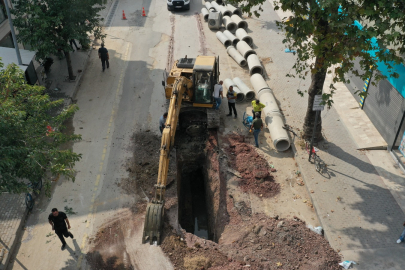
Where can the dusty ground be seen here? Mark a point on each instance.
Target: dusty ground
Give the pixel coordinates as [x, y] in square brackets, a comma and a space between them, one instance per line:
[247, 237]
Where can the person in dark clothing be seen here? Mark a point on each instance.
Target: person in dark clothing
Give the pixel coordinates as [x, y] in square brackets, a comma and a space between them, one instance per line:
[257, 126]
[231, 95]
[103, 55]
[73, 41]
[58, 222]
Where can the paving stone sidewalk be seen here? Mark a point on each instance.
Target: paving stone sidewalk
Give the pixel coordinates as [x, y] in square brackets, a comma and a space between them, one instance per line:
[360, 216]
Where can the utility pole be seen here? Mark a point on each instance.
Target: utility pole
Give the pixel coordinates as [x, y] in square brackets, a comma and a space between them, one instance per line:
[17, 50]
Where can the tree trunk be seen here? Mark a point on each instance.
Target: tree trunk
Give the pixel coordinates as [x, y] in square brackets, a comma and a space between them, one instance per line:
[315, 88]
[69, 65]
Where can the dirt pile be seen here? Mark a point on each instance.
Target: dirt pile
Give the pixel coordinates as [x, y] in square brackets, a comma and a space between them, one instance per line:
[253, 171]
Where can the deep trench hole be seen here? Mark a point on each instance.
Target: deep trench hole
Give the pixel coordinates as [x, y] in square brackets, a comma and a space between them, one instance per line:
[194, 214]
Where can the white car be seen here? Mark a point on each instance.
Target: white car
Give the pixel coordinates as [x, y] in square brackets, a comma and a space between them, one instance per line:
[178, 4]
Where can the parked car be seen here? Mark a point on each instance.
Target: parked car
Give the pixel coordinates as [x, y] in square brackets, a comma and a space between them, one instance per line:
[178, 4]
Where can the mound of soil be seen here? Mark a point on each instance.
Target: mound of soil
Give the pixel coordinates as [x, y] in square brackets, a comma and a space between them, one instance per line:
[254, 171]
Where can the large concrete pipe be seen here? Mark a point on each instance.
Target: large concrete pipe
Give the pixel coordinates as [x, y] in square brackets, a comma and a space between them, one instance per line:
[224, 40]
[236, 56]
[229, 24]
[232, 37]
[258, 82]
[254, 65]
[209, 6]
[242, 35]
[234, 10]
[225, 11]
[244, 49]
[279, 136]
[241, 23]
[215, 6]
[239, 94]
[249, 94]
[266, 97]
[205, 13]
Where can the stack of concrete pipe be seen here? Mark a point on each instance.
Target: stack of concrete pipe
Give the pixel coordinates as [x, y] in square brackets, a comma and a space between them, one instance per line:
[209, 6]
[271, 113]
[225, 11]
[249, 94]
[243, 42]
[205, 13]
[232, 37]
[255, 67]
[240, 96]
[239, 22]
[242, 35]
[229, 24]
[234, 10]
[236, 56]
[244, 49]
[224, 40]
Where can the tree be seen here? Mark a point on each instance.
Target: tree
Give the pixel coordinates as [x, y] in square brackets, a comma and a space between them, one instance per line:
[31, 139]
[329, 36]
[48, 25]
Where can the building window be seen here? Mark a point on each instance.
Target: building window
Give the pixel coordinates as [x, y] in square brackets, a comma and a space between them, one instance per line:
[3, 13]
[7, 41]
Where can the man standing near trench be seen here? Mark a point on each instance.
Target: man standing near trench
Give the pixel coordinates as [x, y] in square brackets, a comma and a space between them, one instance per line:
[231, 95]
[218, 94]
[58, 222]
[257, 126]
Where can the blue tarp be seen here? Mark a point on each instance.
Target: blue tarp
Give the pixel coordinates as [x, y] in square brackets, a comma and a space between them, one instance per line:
[397, 83]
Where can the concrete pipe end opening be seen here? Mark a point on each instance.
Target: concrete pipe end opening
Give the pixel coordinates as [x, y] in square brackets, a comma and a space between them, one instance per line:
[235, 41]
[238, 12]
[243, 24]
[256, 70]
[206, 17]
[243, 63]
[219, 2]
[249, 53]
[240, 97]
[248, 40]
[250, 96]
[231, 27]
[281, 144]
[228, 13]
[228, 43]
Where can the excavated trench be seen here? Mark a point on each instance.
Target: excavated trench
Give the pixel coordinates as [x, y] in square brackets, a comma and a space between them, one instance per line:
[196, 179]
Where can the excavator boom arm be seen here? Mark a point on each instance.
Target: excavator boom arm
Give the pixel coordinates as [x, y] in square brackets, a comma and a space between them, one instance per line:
[155, 210]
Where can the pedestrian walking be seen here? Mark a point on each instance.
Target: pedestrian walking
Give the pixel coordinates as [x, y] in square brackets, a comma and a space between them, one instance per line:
[103, 55]
[257, 126]
[257, 107]
[162, 122]
[73, 41]
[231, 96]
[58, 222]
[218, 95]
[402, 237]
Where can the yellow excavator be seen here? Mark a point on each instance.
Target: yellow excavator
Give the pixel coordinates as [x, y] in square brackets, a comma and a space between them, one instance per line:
[189, 86]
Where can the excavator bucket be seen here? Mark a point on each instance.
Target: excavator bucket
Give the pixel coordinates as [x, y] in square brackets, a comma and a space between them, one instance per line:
[153, 228]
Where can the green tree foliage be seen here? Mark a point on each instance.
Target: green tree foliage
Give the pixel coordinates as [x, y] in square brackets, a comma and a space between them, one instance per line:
[31, 138]
[326, 39]
[48, 25]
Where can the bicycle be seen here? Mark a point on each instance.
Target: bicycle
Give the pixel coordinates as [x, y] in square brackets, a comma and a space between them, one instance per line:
[36, 188]
[320, 165]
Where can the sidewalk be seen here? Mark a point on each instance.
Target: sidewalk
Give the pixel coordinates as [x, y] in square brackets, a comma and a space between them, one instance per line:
[12, 206]
[359, 204]
[13, 211]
